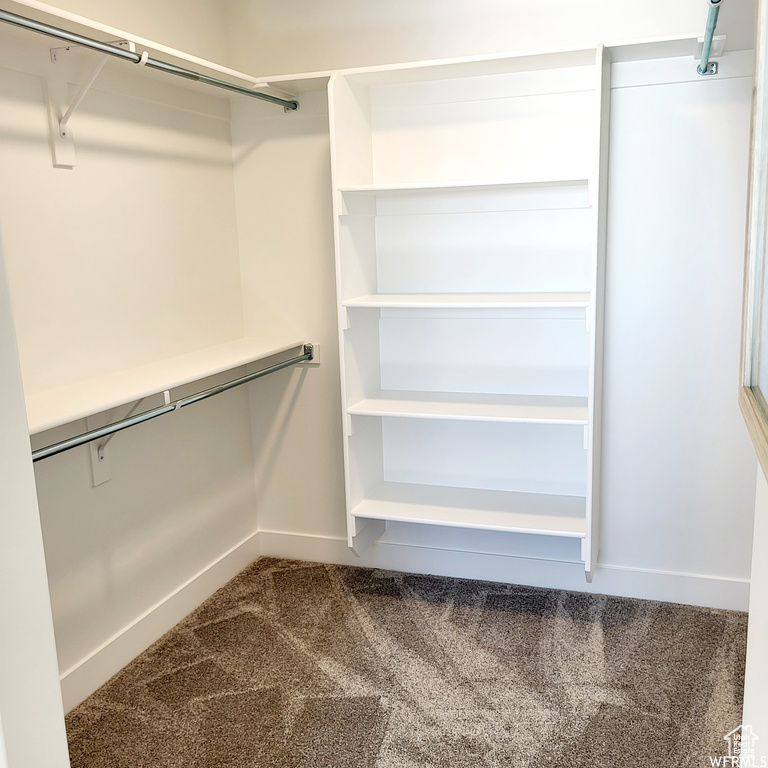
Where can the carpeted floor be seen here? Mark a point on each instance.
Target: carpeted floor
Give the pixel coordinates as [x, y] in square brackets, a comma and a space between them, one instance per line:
[295, 665]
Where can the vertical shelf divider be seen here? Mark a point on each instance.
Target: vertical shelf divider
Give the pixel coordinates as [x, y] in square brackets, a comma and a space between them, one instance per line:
[597, 313]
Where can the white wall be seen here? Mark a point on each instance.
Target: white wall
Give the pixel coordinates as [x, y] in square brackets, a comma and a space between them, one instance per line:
[678, 466]
[117, 274]
[300, 36]
[755, 703]
[31, 716]
[282, 177]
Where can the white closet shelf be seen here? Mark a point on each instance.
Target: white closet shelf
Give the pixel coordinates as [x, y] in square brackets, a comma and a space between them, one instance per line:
[474, 407]
[472, 300]
[541, 514]
[63, 405]
[88, 27]
[459, 186]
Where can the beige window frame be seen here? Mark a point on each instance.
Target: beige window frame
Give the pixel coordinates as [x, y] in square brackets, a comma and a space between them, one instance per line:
[753, 401]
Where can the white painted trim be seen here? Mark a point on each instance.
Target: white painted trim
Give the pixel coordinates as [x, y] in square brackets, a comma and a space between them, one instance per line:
[95, 669]
[90, 673]
[33, 732]
[666, 586]
[3, 756]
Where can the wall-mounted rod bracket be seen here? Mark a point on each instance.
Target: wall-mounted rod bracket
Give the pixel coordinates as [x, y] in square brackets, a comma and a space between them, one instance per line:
[706, 67]
[56, 53]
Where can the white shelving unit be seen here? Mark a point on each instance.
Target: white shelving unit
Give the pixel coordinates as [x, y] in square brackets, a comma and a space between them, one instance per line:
[469, 223]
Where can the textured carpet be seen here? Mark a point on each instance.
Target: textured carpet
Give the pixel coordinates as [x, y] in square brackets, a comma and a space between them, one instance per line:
[295, 664]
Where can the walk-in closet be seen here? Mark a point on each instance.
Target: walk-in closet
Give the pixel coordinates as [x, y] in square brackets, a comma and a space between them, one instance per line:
[370, 381]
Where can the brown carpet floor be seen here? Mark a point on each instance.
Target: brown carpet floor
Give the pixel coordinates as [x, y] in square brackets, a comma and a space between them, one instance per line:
[296, 664]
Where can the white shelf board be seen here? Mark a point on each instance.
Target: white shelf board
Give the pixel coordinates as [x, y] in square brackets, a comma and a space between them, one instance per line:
[653, 48]
[73, 22]
[79, 399]
[458, 186]
[471, 300]
[471, 66]
[303, 83]
[460, 406]
[541, 514]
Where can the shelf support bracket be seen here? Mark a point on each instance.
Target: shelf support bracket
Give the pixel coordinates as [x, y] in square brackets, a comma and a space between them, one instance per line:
[101, 472]
[80, 96]
[103, 444]
[62, 142]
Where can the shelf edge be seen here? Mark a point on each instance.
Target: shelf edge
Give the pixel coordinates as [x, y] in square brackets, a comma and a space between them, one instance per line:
[463, 524]
[67, 416]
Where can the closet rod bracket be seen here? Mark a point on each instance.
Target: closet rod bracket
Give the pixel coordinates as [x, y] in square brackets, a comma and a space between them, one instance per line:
[83, 92]
[313, 350]
[706, 67]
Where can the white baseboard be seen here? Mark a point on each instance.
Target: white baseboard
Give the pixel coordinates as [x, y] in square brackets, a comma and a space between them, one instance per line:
[691, 589]
[91, 672]
[78, 682]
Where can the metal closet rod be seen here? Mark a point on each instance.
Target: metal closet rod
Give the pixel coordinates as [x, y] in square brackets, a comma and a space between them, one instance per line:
[119, 53]
[110, 429]
[705, 67]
